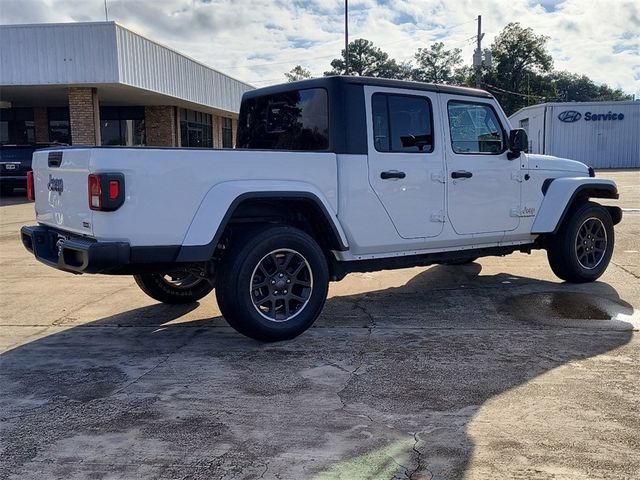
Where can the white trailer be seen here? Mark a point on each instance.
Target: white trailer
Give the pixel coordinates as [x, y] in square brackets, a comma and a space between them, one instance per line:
[599, 134]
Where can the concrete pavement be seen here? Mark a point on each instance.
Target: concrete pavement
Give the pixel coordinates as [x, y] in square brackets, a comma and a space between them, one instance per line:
[491, 370]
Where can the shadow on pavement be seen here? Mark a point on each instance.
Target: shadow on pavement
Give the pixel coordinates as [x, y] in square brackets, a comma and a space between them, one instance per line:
[385, 384]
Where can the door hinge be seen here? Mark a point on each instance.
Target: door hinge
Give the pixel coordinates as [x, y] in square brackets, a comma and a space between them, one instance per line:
[517, 176]
[438, 177]
[523, 211]
[438, 217]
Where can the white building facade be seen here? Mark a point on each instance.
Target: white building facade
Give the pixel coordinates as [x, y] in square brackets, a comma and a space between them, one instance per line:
[102, 84]
[599, 134]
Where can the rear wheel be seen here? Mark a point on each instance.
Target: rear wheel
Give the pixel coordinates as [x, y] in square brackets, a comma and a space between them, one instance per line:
[174, 287]
[274, 285]
[582, 248]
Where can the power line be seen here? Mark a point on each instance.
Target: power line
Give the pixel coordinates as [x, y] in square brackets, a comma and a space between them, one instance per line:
[509, 92]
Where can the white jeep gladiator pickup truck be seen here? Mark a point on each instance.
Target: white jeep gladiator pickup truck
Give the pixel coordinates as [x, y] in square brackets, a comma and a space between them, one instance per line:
[331, 175]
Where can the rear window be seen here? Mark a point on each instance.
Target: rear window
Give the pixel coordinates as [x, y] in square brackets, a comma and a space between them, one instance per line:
[401, 123]
[296, 120]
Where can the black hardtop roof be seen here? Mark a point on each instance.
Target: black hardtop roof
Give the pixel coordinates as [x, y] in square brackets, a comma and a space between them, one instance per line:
[341, 80]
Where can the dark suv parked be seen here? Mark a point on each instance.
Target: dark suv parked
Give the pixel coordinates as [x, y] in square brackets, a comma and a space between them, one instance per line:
[15, 162]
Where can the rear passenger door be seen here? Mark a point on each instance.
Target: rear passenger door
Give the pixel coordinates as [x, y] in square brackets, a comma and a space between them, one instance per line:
[406, 160]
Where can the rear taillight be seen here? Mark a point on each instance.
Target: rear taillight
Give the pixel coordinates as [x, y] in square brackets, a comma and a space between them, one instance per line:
[31, 194]
[114, 189]
[106, 191]
[95, 192]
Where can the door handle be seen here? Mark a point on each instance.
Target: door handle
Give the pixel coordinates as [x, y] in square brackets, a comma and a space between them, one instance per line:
[392, 174]
[461, 174]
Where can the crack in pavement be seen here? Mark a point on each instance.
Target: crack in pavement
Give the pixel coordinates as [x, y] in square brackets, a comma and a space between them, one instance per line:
[156, 366]
[418, 453]
[626, 270]
[60, 320]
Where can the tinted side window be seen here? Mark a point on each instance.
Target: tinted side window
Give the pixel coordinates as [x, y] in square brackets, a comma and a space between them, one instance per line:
[296, 120]
[474, 128]
[401, 123]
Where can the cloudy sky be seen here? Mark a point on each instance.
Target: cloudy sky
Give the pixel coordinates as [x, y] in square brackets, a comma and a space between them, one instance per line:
[258, 40]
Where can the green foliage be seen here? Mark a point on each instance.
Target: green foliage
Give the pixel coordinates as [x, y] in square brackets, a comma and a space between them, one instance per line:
[521, 61]
[297, 73]
[367, 60]
[571, 87]
[522, 71]
[437, 65]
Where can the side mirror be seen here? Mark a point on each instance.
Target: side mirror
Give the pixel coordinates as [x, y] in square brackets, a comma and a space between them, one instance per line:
[518, 142]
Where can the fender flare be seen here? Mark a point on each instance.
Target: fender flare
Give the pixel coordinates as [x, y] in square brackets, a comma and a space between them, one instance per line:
[200, 243]
[559, 195]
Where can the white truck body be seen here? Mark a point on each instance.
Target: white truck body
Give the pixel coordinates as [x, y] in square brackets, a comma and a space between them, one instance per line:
[450, 193]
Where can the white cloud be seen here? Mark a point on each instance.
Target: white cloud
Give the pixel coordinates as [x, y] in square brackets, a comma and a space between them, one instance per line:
[258, 40]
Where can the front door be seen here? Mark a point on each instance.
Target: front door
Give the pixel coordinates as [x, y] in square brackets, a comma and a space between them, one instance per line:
[406, 160]
[483, 184]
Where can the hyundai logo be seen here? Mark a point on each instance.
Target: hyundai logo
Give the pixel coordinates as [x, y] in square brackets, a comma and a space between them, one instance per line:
[569, 116]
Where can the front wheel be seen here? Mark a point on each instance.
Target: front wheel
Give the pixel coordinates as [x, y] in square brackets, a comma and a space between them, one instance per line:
[274, 285]
[581, 250]
[174, 287]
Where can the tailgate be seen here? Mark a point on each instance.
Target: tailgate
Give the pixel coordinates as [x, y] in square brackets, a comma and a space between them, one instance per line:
[60, 183]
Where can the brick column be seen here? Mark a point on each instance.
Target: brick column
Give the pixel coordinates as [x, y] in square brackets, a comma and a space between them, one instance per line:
[160, 125]
[215, 127]
[84, 115]
[41, 124]
[217, 131]
[234, 128]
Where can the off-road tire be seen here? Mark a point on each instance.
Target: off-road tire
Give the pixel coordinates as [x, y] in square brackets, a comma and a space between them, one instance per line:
[155, 285]
[564, 249]
[240, 268]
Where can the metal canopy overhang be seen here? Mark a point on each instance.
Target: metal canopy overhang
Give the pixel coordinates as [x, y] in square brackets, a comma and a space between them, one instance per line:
[119, 62]
[108, 95]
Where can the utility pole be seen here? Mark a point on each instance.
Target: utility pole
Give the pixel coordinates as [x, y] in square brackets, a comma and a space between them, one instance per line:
[477, 55]
[346, 35]
[106, 13]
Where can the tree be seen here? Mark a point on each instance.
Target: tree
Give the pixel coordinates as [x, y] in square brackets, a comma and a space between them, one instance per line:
[437, 65]
[365, 59]
[297, 73]
[520, 61]
[571, 87]
[606, 93]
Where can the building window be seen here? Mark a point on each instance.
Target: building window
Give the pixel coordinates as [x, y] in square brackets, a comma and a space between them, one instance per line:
[59, 131]
[195, 129]
[122, 126]
[227, 133]
[17, 126]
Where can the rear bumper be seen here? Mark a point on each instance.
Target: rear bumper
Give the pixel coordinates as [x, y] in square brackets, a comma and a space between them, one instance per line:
[15, 181]
[74, 254]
